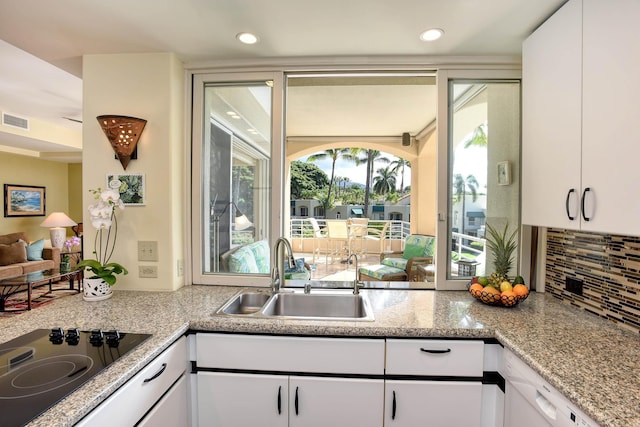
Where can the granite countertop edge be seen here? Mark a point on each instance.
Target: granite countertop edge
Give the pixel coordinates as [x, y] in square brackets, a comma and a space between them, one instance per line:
[534, 331]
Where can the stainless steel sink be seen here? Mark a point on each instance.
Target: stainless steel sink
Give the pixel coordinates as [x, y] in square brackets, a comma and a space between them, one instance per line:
[245, 303]
[319, 305]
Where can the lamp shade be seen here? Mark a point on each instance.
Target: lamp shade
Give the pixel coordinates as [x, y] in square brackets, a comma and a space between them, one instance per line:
[241, 221]
[123, 133]
[56, 221]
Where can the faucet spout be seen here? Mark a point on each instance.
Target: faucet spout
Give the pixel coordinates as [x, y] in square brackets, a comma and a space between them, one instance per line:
[356, 282]
[277, 274]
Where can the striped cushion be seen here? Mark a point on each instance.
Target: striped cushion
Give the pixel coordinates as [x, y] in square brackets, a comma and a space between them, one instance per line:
[380, 271]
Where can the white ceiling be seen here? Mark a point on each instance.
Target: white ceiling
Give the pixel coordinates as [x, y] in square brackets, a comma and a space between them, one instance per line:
[41, 61]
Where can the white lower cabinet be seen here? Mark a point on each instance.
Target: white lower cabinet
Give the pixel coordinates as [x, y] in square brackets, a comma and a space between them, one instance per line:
[228, 399]
[232, 399]
[157, 390]
[320, 402]
[308, 381]
[432, 403]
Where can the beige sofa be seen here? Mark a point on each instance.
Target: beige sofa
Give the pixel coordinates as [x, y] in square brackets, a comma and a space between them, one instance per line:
[14, 260]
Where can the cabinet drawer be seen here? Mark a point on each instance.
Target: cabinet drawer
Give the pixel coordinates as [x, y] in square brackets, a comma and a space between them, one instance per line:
[435, 357]
[290, 354]
[131, 401]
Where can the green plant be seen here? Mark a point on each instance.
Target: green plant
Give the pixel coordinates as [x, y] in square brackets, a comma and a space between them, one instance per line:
[502, 245]
[103, 218]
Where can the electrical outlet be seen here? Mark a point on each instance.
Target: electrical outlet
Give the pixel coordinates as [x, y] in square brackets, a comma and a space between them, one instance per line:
[573, 285]
[180, 268]
[147, 251]
[147, 271]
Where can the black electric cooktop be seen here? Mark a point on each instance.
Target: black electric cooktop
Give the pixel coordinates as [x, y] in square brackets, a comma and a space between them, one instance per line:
[40, 368]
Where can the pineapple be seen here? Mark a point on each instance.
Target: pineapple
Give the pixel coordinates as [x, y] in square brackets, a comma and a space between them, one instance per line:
[502, 248]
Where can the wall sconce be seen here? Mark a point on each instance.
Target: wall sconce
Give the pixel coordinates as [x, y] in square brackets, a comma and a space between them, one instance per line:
[241, 222]
[123, 133]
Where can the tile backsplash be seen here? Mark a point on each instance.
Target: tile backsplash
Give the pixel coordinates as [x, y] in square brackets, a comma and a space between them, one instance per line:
[608, 266]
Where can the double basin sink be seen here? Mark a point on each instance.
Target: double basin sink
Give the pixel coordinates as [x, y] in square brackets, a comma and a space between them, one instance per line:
[295, 304]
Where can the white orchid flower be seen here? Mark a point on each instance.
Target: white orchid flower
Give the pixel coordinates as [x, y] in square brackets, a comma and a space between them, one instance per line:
[100, 223]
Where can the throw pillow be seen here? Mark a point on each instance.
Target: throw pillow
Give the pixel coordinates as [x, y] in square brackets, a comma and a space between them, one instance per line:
[13, 237]
[12, 253]
[34, 250]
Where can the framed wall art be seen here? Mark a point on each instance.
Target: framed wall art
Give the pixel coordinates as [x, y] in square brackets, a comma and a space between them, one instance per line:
[504, 173]
[131, 187]
[24, 200]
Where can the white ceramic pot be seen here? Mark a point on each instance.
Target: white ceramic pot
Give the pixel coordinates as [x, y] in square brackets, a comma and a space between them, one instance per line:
[96, 289]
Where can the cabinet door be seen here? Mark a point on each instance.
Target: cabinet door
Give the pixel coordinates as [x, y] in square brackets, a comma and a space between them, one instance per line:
[335, 402]
[611, 142]
[230, 400]
[551, 120]
[432, 403]
[172, 410]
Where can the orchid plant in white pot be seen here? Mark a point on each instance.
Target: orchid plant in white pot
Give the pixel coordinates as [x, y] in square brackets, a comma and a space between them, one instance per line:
[103, 218]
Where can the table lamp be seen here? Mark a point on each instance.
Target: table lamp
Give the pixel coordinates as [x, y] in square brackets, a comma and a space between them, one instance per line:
[56, 222]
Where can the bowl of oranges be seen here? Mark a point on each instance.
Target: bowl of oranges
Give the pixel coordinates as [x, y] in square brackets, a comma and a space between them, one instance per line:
[506, 293]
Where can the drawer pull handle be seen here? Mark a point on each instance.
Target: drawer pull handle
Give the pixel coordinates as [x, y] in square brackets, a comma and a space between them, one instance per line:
[393, 406]
[279, 400]
[426, 350]
[157, 374]
[295, 402]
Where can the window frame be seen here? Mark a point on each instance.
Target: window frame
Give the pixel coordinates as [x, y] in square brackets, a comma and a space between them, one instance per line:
[444, 76]
[196, 94]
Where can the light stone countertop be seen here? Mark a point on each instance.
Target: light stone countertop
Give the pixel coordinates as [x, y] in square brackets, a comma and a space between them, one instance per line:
[591, 361]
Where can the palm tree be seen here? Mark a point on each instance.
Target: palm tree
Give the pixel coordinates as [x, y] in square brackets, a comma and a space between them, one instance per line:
[479, 137]
[362, 156]
[399, 165]
[384, 182]
[460, 186]
[334, 155]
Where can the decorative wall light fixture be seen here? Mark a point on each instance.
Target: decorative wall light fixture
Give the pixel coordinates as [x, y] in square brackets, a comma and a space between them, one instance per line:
[123, 133]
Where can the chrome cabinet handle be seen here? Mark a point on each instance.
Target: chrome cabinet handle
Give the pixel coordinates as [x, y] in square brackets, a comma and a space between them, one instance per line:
[426, 350]
[566, 204]
[584, 198]
[157, 374]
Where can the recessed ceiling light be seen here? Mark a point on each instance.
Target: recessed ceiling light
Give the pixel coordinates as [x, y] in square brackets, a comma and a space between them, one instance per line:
[431, 35]
[247, 38]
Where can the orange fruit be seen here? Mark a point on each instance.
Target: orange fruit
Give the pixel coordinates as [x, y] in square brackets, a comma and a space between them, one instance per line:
[508, 298]
[490, 295]
[475, 289]
[521, 291]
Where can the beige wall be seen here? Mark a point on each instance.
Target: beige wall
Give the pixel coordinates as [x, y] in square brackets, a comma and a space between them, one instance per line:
[149, 86]
[75, 192]
[54, 176]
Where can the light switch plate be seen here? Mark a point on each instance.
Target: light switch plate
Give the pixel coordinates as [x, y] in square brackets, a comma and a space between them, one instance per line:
[147, 250]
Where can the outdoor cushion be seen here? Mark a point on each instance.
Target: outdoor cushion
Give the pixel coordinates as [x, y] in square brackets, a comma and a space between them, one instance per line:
[243, 260]
[418, 245]
[381, 272]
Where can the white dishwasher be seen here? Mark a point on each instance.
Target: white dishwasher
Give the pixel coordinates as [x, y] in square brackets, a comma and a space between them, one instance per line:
[531, 402]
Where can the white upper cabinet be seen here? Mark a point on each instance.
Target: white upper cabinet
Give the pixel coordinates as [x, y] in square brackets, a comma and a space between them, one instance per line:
[551, 120]
[611, 115]
[580, 147]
